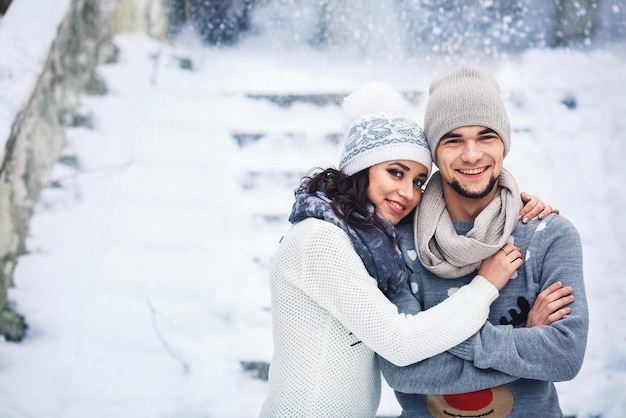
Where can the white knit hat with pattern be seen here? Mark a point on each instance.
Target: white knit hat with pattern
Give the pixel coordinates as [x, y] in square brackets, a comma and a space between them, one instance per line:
[467, 96]
[378, 130]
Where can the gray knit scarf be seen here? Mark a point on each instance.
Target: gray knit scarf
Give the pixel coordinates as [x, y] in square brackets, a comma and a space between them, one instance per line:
[449, 255]
[377, 246]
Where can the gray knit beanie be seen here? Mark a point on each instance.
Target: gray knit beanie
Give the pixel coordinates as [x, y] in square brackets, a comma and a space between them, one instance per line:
[380, 131]
[467, 96]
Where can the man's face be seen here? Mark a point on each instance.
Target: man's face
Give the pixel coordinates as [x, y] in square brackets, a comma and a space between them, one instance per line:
[470, 160]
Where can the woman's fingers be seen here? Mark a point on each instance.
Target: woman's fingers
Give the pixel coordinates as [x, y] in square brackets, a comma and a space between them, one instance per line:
[532, 208]
[547, 210]
[535, 208]
[511, 252]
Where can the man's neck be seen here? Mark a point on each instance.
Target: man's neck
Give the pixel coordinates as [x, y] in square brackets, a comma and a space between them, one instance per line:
[465, 209]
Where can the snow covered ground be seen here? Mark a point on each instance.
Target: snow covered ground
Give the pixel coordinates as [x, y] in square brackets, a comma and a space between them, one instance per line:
[145, 284]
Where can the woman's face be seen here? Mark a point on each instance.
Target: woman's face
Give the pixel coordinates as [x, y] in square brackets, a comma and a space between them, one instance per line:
[395, 188]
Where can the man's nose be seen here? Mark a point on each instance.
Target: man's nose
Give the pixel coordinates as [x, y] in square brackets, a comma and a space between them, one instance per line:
[471, 151]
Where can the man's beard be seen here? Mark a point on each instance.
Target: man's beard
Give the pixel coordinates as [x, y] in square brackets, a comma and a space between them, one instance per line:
[473, 195]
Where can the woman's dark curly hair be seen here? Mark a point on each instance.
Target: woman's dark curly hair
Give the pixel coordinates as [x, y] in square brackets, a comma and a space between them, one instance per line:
[348, 195]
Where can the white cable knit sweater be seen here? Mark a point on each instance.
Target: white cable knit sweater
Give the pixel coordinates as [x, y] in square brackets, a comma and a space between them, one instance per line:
[329, 318]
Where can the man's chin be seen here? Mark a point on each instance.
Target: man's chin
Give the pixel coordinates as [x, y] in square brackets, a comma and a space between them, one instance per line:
[473, 194]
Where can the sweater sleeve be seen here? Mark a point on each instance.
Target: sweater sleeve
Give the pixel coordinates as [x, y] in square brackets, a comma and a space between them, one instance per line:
[333, 275]
[551, 353]
[441, 374]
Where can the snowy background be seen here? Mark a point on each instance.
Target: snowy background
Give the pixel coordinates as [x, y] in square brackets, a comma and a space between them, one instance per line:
[146, 279]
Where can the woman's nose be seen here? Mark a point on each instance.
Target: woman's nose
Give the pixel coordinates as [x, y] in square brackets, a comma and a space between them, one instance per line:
[407, 190]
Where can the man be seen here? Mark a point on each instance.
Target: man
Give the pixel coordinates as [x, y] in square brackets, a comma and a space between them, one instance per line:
[469, 211]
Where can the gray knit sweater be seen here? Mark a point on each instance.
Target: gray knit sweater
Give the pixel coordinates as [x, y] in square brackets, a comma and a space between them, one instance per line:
[509, 367]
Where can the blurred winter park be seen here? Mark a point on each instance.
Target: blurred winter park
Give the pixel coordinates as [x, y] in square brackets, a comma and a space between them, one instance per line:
[138, 284]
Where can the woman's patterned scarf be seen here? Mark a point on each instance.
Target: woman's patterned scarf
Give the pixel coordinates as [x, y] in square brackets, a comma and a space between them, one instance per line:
[376, 247]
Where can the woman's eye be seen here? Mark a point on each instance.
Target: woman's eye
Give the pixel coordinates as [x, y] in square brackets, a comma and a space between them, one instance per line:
[395, 173]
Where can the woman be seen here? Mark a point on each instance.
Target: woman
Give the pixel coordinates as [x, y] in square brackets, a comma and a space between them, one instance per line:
[337, 263]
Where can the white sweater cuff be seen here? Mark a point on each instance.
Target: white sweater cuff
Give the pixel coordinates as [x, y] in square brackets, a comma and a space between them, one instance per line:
[484, 287]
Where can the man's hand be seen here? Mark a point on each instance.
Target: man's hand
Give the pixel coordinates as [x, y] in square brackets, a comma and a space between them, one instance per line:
[550, 305]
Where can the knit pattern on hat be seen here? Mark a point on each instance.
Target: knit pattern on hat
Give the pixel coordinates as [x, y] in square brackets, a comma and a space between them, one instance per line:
[468, 96]
[381, 137]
